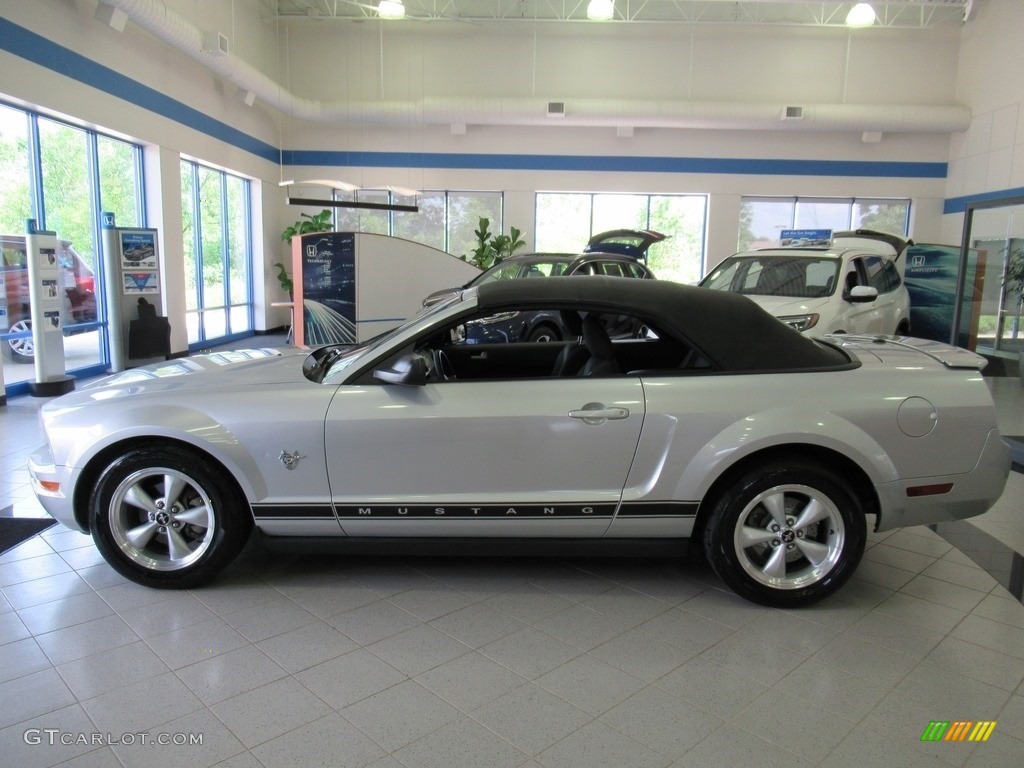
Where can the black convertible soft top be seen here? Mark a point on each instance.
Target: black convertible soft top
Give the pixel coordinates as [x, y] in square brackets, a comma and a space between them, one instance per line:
[729, 329]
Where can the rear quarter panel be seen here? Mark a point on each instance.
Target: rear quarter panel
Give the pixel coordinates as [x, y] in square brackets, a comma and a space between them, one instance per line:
[699, 426]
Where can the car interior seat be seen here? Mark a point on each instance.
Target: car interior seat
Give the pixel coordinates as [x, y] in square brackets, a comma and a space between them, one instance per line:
[573, 354]
[602, 360]
[851, 281]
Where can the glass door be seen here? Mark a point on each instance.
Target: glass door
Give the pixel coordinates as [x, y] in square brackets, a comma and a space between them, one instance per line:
[994, 230]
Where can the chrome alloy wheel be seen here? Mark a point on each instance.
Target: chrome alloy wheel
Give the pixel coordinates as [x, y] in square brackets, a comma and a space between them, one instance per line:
[789, 537]
[25, 348]
[161, 519]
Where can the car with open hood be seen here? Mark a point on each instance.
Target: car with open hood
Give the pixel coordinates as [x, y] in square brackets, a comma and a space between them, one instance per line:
[615, 253]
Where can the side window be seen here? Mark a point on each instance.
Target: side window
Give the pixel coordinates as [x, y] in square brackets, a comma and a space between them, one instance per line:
[892, 276]
[635, 270]
[586, 269]
[612, 268]
[14, 257]
[874, 266]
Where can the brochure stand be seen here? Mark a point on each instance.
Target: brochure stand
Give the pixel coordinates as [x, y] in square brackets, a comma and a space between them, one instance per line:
[46, 303]
[130, 271]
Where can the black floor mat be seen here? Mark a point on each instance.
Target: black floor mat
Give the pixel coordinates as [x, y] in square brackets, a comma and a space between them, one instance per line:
[14, 530]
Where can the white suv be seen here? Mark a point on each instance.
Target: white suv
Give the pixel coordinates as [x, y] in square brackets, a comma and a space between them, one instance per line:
[848, 285]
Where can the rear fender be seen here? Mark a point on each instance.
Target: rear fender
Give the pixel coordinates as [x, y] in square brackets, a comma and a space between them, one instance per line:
[778, 427]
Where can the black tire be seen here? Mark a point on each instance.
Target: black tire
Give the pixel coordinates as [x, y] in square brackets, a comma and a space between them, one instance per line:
[543, 333]
[759, 544]
[205, 520]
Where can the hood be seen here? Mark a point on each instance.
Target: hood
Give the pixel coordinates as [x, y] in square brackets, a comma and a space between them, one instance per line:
[782, 306]
[235, 368]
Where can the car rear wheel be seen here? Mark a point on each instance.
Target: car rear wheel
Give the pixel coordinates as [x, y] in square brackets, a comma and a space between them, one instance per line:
[165, 518]
[786, 534]
[20, 350]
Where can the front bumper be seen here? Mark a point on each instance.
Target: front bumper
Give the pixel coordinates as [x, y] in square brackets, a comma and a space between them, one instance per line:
[52, 485]
[973, 493]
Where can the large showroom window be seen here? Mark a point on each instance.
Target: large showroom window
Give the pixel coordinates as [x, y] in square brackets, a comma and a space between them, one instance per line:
[63, 177]
[446, 219]
[763, 218]
[217, 234]
[566, 221]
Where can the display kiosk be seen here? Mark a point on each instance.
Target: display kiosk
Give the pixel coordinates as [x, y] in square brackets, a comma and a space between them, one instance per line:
[46, 301]
[131, 271]
[352, 286]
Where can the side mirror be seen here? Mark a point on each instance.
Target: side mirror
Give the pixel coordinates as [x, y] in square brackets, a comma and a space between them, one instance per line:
[861, 294]
[409, 369]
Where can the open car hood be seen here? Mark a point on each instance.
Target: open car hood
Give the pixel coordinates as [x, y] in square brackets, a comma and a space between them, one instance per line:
[628, 242]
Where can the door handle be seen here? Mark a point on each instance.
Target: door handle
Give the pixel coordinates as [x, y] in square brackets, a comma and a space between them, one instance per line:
[597, 413]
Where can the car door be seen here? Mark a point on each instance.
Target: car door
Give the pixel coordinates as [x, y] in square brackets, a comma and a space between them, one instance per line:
[516, 457]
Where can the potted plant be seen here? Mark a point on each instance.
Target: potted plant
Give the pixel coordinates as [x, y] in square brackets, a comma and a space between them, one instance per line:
[493, 248]
[307, 224]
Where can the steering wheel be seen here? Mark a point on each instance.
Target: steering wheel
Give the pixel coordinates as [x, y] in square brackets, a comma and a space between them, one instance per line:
[443, 368]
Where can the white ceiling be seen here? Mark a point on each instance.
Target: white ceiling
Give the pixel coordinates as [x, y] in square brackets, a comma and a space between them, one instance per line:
[820, 13]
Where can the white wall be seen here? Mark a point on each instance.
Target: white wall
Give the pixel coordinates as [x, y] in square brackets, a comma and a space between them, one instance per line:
[732, 64]
[989, 156]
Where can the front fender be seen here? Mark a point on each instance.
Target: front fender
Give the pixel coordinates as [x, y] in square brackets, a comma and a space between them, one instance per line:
[783, 426]
[183, 425]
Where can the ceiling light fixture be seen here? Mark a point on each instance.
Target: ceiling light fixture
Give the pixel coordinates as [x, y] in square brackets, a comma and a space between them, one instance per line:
[861, 15]
[391, 9]
[600, 10]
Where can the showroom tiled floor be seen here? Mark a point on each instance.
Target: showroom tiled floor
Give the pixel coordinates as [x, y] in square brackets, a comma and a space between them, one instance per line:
[464, 663]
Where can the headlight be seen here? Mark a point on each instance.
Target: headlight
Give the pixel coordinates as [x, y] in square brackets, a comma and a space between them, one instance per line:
[800, 322]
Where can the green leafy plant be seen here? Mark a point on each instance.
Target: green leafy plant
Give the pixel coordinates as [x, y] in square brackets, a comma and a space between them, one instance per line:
[306, 225]
[493, 248]
[287, 285]
[1014, 278]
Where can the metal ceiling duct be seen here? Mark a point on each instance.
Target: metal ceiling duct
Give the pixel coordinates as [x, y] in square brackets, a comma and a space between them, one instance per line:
[155, 17]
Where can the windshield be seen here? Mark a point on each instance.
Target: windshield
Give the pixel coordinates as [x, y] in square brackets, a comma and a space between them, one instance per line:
[804, 277]
[327, 364]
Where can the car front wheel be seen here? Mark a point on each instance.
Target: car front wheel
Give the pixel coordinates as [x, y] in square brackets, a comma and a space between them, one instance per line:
[786, 534]
[163, 518]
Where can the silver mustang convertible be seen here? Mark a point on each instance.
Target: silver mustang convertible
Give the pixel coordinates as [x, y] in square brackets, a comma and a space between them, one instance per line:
[717, 423]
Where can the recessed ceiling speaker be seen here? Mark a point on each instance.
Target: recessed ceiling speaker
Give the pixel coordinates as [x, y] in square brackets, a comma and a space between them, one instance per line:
[556, 109]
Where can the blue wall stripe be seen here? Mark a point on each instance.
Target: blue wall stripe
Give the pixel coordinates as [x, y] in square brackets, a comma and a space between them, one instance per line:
[37, 49]
[715, 165]
[959, 204]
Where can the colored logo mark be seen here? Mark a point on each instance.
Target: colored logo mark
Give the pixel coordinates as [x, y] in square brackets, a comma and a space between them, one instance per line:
[958, 730]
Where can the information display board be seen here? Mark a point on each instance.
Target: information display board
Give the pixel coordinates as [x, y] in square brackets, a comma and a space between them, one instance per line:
[131, 261]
